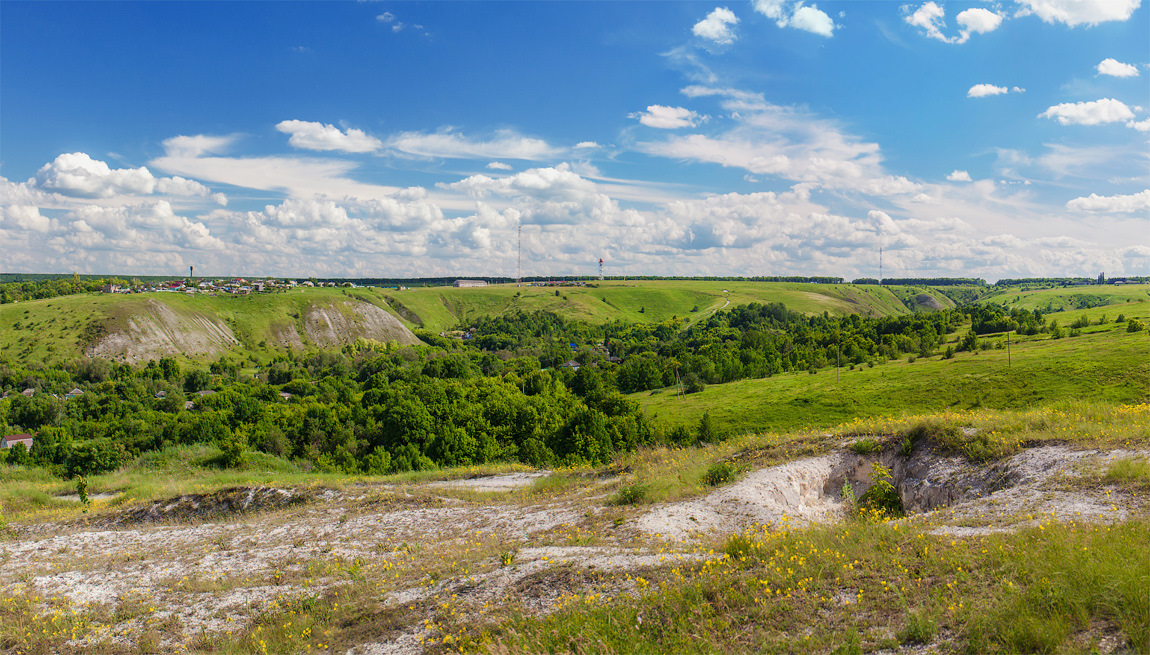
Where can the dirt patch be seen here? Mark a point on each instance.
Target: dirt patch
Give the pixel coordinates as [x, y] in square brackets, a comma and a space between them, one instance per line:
[811, 491]
[155, 331]
[342, 323]
[494, 483]
[927, 301]
[223, 503]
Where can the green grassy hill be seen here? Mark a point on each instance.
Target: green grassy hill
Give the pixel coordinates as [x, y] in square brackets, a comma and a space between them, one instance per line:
[1070, 298]
[439, 308]
[1104, 363]
[59, 330]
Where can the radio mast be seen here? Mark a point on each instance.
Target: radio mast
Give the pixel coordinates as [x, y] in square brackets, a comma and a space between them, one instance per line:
[519, 279]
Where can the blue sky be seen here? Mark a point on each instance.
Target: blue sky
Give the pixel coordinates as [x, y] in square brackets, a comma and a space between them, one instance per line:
[775, 137]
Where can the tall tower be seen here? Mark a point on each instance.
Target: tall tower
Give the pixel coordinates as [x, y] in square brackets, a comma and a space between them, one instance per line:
[880, 264]
[600, 269]
[519, 278]
[192, 273]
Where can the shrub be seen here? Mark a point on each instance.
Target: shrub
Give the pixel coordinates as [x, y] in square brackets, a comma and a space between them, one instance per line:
[865, 446]
[234, 447]
[881, 498]
[718, 473]
[706, 428]
[1134, 325]
[632, 494]
[919, 629]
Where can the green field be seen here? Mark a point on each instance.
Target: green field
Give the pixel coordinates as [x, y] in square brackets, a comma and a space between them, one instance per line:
[1104, 363]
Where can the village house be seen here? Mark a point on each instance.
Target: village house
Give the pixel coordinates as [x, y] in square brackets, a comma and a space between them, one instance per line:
[13, 439]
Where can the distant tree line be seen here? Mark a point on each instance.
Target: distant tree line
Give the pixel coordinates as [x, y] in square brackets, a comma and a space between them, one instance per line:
[924, 281]
[52, 287]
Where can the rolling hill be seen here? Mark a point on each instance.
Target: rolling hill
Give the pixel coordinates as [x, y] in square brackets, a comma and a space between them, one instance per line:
[139, 327]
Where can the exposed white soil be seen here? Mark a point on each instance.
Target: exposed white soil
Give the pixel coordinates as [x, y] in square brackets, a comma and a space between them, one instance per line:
[505, 482]
[343, 322]
[202, 564]
[157, 331]
[948, 489]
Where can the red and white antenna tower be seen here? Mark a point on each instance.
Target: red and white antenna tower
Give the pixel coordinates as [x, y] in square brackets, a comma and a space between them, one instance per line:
[519, 279]
[600, 269]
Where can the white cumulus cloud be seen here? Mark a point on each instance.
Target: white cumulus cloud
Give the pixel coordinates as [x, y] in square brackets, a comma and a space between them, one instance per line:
[1138, 202]
[983, 90]
[1141, 126]
[1115, 68]
[24, 217]
[318, 136]
[1097, 112]
[499, 166]
[1079, 12]
[793, 13]
[77, 175]
[717, 26]
[959, 176]
[979, 20]
[668, 118]
[931, 19]
[812, 19]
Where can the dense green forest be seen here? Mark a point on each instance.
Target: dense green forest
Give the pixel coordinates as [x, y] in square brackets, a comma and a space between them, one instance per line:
[506, 391]
[749, 341]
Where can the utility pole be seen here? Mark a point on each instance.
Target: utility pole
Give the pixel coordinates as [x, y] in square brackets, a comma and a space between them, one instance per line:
[838, 356]
[1008, 349]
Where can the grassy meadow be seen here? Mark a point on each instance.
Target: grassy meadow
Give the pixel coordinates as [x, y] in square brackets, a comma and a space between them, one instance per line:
[1104, 363]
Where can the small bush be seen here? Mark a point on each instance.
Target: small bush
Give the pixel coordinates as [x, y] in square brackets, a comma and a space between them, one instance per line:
[1134, 325]
[919, 629]
[718, 473]
[881, 498]
[632, 494]
[866, 446]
